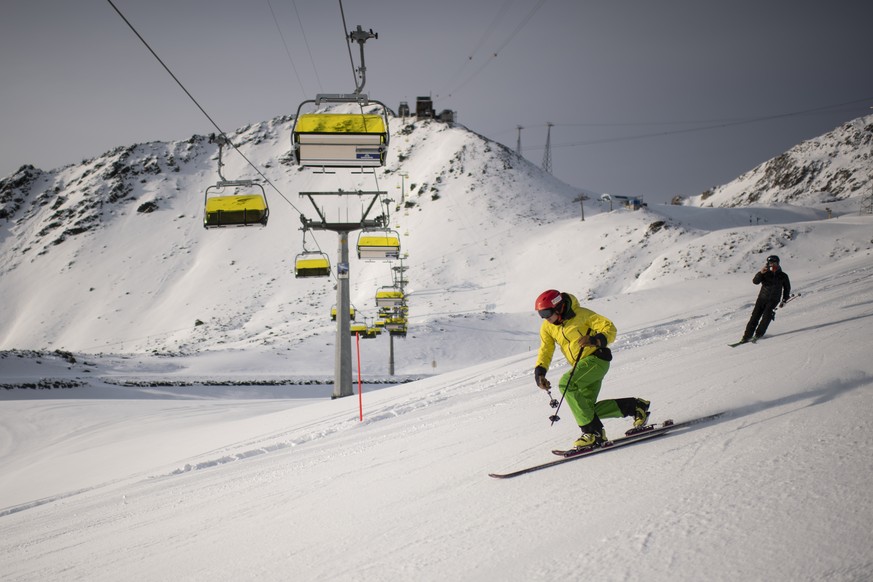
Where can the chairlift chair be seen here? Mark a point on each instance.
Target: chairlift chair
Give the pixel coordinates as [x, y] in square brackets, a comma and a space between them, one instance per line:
[246, 206]
[396, 323]
[389, 297]
[352, 313]
[340, 140]
[397, 326]
[311, 264]
[379, 245]
[358, 328]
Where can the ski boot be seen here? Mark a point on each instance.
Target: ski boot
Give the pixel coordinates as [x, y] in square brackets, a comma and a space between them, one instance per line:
[592, 436]
[589, 440]
[641, 412]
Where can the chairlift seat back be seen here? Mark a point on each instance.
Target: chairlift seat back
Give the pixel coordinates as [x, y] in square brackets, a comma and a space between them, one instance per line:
[316, 266]
[352, 313]
[340, 140]
[389, 298]
[236, 210]
[374, 246]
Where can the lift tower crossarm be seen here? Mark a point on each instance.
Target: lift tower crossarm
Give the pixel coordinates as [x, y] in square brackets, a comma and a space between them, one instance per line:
[377, 222]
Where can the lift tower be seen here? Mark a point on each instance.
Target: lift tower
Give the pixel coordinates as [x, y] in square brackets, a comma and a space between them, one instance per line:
[342, 383]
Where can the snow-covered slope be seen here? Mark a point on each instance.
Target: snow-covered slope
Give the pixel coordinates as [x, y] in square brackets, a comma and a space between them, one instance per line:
[102, 481]
[834, 166]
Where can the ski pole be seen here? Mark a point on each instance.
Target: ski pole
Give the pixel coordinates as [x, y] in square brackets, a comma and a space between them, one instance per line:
[791, 297]
[554, 404]
[555, 418]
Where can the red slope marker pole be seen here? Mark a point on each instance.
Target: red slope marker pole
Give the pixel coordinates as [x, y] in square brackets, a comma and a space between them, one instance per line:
[360, 390]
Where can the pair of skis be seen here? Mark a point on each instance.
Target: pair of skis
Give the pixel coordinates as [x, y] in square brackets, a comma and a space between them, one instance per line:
[791, 297]
[632, 436]
[741, 342]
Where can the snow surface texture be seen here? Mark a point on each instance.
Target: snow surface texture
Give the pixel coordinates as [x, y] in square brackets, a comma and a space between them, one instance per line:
[203, 462]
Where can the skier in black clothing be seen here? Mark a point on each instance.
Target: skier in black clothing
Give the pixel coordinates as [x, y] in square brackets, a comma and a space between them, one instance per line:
[775, 286]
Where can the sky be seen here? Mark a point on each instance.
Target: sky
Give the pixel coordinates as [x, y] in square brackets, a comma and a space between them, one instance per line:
[119, 478]
[647, 99]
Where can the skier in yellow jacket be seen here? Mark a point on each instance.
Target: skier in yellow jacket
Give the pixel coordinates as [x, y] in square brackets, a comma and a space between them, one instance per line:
[583, 337]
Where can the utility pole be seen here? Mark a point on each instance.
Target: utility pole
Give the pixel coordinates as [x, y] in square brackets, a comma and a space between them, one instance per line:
[403, 177]
[547, 156]
[518, 142]
[580, 199]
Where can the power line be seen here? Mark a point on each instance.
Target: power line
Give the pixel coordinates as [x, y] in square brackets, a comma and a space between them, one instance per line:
[711, 124]
[500, 48]
[487, 34]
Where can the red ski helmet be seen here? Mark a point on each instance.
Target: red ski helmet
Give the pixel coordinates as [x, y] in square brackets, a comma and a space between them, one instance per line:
[547, 303]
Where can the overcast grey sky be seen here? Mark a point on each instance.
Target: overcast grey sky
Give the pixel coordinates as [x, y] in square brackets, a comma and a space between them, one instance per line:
[628, 84]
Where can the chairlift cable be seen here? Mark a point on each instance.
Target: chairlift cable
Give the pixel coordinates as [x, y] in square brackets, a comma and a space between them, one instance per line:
[515, 32]
[285, 44]
[306, 42]
[200, 107]
[346, 37]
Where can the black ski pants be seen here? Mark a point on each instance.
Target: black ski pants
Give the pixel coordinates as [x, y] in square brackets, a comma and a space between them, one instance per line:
[763, 313]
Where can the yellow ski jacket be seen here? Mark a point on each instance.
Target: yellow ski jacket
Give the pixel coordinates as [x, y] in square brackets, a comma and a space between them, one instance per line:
[567, 334]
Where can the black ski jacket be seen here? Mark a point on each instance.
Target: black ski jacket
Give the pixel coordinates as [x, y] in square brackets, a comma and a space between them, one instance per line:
[774, 285]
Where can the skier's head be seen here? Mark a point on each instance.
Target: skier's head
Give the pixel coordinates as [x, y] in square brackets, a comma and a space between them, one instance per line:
[549, 303]
[773, 259]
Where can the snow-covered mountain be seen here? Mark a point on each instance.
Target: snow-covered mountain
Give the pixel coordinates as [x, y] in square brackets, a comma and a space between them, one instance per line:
[109, 256]
[835, 166]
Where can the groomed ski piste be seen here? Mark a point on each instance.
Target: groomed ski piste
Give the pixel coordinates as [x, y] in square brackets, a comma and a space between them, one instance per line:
[114, 478]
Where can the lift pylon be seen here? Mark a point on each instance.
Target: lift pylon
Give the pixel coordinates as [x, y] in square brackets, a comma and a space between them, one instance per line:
[343, 385]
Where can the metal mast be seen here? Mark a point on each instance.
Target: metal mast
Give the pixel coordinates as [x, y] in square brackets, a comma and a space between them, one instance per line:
[547, 156]
[342, 384]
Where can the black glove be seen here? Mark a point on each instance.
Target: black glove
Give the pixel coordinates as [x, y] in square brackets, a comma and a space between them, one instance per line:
[540, 378]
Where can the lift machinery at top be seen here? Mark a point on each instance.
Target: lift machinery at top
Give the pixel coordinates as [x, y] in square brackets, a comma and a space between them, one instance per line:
[342, 140]
[245, 204]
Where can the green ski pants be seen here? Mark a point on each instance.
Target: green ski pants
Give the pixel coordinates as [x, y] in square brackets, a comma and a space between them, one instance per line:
[581, 391]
